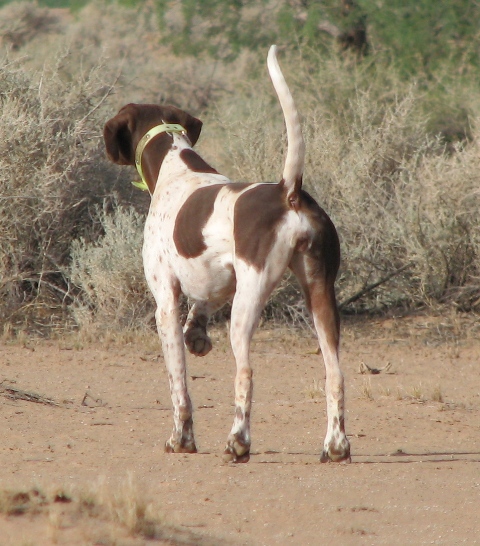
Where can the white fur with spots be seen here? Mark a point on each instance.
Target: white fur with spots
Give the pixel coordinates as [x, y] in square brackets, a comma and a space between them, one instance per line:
[222, 272]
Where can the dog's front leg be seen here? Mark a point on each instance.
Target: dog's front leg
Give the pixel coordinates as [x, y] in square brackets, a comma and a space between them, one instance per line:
[171, 336]
[195, 334]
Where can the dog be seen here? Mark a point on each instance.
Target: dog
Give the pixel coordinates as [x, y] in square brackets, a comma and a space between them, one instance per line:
[217, 241]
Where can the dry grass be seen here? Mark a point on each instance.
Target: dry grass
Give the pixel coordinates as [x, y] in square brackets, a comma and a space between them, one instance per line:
[105, 514]
[404, 206]
[417, 393]
[127, 507]
[414, 393]
[366, 390]
[437, 395]
[315, 390]
[404, 203]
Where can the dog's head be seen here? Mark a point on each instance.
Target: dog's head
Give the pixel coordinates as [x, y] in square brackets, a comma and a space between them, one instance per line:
[123, 132]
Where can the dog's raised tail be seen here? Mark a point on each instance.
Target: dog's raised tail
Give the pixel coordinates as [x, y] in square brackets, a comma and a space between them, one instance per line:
[294, 162]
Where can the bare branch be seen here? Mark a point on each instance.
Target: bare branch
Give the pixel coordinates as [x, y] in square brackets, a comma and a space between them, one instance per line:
[374, 285]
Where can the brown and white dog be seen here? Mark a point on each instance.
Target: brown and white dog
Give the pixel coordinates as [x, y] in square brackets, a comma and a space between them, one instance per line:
[218, 241]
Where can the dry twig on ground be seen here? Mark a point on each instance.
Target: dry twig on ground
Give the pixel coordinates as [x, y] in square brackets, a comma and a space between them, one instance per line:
[12, 393]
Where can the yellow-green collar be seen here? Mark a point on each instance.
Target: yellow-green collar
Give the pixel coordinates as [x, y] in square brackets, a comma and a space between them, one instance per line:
[147, 137]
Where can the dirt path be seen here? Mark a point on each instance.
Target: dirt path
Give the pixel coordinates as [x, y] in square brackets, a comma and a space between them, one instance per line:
[414, 430]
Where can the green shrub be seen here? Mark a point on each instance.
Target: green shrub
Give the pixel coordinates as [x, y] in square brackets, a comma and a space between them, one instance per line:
[108, 274]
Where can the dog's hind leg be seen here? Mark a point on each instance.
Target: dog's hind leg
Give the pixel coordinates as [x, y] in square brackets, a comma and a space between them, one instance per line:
[317, 283]
[244, 320]
[253, 289]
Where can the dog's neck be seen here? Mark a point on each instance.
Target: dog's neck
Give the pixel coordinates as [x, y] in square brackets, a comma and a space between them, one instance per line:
[161, 138]
[175, 153]
[154, 155]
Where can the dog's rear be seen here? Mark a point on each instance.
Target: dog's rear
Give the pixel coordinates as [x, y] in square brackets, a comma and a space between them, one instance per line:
[315, 264]
[217, 241]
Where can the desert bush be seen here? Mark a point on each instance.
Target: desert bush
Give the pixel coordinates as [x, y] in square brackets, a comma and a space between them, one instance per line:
[108, 274]
[23, 21]
[55, 97]
[53, 172]
[393, 160]
[146, 69]
[403, 202]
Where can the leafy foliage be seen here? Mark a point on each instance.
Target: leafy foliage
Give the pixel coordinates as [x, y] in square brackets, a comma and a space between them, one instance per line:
[419, 35]
[218, 28]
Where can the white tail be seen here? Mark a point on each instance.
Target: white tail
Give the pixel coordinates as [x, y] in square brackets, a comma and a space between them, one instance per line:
[294, 162]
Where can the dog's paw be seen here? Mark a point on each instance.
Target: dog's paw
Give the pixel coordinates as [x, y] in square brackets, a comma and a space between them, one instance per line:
[177, 447]
[336, 454]
[197, 342]
[236, 451]
[231, 457]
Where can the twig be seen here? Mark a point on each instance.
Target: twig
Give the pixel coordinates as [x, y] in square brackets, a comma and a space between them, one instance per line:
[374, 285]
[30, 276]
[17, 394]
[365, 368]
[25, 277]
[105, 96]
[98, 402]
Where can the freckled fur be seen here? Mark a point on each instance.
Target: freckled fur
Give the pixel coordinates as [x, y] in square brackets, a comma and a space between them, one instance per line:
[217, 241]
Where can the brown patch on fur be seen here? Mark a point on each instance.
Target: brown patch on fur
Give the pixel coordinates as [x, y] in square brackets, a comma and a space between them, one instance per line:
[325, 248]
[257, 214]
[191, 220]
[316, 268]
[196, 163]
[237, 187]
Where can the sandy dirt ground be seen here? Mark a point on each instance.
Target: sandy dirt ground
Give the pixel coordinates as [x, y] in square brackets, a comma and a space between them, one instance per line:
[414, 430]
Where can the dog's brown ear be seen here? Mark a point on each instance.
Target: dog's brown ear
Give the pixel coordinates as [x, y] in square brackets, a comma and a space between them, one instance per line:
[193, 126]
[117, 134]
